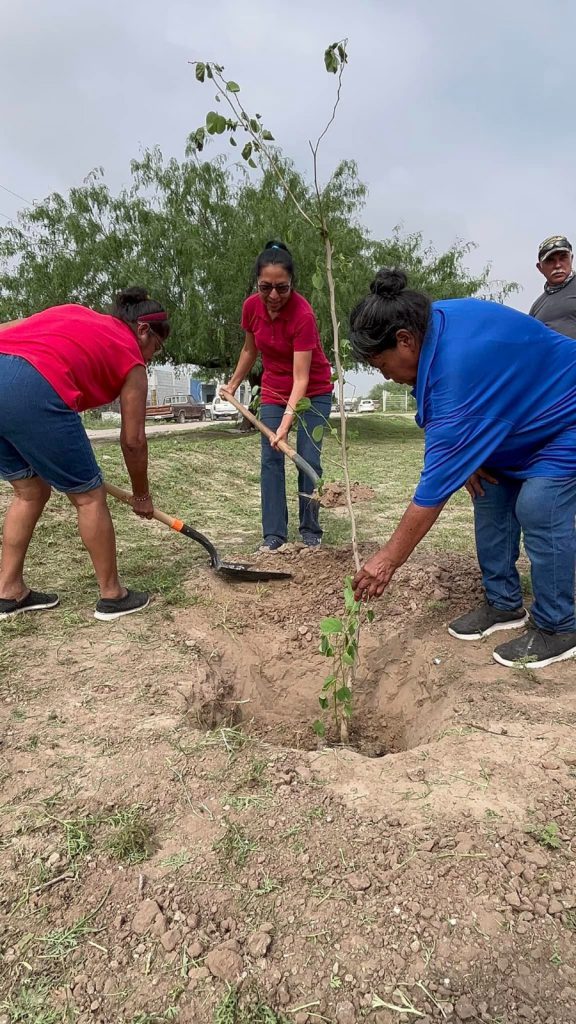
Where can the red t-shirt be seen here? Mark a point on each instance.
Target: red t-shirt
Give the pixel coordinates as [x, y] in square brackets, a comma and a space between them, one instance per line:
[294, 329]
[85, 356]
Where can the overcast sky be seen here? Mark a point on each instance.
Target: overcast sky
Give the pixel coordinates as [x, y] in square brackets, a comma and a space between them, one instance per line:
[460, 116]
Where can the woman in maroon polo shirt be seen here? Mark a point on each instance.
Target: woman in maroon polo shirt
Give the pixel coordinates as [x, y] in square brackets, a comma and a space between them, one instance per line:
[280, 325]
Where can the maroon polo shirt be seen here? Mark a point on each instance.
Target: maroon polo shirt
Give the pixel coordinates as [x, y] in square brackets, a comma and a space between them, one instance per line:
[294, 329]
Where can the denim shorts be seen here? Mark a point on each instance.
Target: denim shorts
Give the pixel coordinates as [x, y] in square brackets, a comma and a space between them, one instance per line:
[39, 434]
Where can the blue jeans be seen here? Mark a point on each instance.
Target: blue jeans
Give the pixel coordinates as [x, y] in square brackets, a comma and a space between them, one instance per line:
[544, 510]
[273, 483]
[39, 434]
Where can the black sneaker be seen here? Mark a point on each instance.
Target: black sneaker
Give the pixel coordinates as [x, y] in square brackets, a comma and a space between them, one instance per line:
[485, 620]
[536, 648]
[270, 544]
[312, 540]
[33, 602]
[134, 601]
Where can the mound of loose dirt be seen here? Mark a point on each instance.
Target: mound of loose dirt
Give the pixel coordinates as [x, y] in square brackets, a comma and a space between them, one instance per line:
[334, 494]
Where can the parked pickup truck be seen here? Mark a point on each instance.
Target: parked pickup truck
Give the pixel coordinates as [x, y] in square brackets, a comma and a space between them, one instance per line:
[179, 411]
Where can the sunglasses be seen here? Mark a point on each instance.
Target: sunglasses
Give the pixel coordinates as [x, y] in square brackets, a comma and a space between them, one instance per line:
[266, 289]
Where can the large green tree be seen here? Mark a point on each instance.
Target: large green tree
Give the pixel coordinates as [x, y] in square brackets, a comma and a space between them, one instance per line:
[190, 231]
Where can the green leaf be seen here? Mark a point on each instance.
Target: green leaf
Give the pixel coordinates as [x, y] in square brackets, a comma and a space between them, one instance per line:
[200, 71]
[343, 695]
[247, 151]
[317, 282]
[348, 659]
[319, 728]
[252, 163]
[254, 125]
[370, 615]
[331, 625]
[325, 647]
[233, 141]
[267, 136]
[323, 702]
[232, 87]
[330, 61]
[328, 683]
[212, 119]
[221, 124]
[303, 405]
[318, 433]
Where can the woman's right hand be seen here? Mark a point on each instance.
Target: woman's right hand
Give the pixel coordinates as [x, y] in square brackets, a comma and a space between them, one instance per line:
[228, 389]
[474, 483]
[143, 507]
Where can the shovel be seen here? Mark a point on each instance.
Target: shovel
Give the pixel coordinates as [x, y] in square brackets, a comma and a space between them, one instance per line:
[230, 570]
[297, 459]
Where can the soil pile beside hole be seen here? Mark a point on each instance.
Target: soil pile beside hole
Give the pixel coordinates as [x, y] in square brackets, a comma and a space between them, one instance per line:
[334, 494]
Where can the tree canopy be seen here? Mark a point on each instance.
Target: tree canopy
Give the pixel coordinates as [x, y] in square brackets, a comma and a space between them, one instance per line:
[190, 231]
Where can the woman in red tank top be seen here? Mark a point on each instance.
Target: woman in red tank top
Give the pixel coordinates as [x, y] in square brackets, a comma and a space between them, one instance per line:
[54, 365]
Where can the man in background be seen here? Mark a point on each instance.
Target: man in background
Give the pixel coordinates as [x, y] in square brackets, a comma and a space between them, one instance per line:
[556, 307]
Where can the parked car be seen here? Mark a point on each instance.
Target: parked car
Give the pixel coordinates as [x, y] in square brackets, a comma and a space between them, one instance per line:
[178, 409]
[219, 409]
[366, 405]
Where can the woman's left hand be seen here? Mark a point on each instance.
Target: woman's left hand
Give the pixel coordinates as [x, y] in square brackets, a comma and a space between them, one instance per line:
[374, 576]
[280, 435]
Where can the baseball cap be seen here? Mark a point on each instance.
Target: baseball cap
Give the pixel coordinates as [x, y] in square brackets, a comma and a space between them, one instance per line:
[556, 243]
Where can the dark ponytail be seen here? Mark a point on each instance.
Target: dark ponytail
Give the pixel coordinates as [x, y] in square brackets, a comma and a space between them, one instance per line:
[133, 305]
[389, 308]
[275, 254]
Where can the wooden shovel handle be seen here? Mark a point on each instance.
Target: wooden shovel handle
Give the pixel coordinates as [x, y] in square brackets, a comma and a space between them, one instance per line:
[126, 497]
[282, 445]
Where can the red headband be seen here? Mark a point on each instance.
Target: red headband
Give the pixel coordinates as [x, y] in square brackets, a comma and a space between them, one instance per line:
[152, 318]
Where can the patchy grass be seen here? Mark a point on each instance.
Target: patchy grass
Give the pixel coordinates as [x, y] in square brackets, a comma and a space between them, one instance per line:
[252, 1011]
[131, 838]
[234, 846]
[28, 1006]
[547, 835]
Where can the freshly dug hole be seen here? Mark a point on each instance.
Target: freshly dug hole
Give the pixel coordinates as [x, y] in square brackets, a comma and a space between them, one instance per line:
[257, 660]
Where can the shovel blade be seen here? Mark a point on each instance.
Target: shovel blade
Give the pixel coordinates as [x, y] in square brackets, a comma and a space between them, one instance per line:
[237, 571]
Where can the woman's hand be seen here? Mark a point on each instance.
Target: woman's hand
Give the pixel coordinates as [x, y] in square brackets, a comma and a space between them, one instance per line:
[228, 389]
[281, 434]
[474, 483]
[143, 506]
[374, 576]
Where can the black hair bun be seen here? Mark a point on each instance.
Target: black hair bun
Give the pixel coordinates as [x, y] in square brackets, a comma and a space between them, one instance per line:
[131, 297]
[389, 283]
[275, 244]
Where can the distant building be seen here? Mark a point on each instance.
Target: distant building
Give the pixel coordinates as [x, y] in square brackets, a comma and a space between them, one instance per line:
[167, 382]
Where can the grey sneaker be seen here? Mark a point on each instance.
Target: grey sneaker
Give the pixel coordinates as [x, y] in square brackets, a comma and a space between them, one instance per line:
[486, 620]
[536, 648]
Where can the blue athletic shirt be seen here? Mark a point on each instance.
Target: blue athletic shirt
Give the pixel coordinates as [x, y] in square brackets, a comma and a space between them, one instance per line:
[495, 388]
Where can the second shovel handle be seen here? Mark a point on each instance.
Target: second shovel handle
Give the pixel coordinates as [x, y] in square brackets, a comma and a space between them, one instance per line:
[282, 445]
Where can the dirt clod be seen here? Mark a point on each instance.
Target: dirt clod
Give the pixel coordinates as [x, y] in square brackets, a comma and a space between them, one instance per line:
[224, 964]
[144, 917]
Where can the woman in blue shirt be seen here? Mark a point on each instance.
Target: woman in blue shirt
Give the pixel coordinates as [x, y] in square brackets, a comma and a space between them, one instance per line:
[496, 396]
